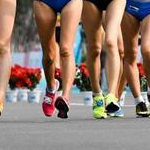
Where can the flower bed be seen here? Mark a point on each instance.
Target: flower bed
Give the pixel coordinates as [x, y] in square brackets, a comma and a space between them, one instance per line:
[82, 79]
[142, 76]
[24, 78]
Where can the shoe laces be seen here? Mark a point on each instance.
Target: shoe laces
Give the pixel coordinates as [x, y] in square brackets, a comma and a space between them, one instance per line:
[48, 98]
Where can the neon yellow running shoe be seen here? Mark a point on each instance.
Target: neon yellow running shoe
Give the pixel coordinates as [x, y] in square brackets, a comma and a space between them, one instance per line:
[1, 108]
[111, 103]
[99, 111]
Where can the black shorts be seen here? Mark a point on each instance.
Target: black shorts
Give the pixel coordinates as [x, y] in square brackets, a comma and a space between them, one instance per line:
[100, 4]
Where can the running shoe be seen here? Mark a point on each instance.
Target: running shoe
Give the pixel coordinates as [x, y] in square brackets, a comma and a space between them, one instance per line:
[141, 110]
[49, 101]
[99, 111]
[148, 96]
[62, 105]
[119, 113]
[1, 108]
[111, 103]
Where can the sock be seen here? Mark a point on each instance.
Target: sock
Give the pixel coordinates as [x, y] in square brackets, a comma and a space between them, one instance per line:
[148, 90]
[97, 94]
[52, 90]
[138, 99]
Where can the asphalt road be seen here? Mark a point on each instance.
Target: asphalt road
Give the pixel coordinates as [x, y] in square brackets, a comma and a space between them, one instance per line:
[24, 127]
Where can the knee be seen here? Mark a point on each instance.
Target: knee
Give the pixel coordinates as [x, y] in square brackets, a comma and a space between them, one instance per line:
[146, 51]
[131, 57]
[94, 50]
[4, 48]
[49, 57]
[48, 60]
[111, 44]
[65, 51]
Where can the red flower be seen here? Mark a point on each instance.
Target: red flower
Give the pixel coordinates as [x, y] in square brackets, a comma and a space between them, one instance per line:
[19, 84]
[82, 79]
[141, 69]
[143, 80]
[23, 77]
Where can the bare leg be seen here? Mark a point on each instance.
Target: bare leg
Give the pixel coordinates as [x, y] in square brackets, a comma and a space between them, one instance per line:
[46, 20]
[114, 14]
[92, 26]
[7, 15]
[130, 30]
[57, 56]
[145, 45]
[122, 80]
[70, 18]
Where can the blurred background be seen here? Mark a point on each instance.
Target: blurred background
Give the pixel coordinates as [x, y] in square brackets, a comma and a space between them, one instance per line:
[26, 47]
[26, 41]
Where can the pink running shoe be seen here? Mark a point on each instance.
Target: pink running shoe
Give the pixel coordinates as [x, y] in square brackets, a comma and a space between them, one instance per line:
[62, 106]
[49, 101]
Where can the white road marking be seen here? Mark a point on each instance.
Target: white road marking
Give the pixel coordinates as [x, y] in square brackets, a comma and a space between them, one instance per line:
[82, 104]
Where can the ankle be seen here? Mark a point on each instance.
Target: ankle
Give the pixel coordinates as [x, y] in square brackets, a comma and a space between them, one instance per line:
[138, 99]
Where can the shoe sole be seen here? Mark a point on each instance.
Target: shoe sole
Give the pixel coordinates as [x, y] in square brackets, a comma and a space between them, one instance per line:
[100, 117]
[115, 116]
[62, 107]
[143, 115]
[112, 108]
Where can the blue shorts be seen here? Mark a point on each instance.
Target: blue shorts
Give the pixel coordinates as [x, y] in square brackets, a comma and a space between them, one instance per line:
[56, 5]
[138, 9]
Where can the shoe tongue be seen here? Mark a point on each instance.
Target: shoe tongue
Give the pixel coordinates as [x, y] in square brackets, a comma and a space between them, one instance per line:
[53, 90]
[51, 95]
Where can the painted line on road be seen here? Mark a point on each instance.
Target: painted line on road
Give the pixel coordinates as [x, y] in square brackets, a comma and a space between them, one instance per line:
[82, 104]
[77, 104]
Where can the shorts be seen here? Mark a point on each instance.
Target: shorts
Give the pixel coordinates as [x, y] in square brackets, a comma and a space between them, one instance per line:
[138, 9]
[56, 5]
[100, 4]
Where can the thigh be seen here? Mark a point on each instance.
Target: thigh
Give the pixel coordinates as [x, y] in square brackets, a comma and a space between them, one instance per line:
[70, 18]
[7, 16]
[46, 20]
[114, 13]
[145, 32]
[92, 20]
[130, 31]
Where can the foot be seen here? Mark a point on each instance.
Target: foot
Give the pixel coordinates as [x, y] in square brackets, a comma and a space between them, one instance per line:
[111, 103]
[62, 105]
[49, 101]
[119, 113]
[141, 110]
[99, 111]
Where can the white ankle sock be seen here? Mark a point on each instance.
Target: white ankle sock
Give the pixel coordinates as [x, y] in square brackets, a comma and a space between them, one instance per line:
[138, 99]
[97, 94]
[52, 90]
